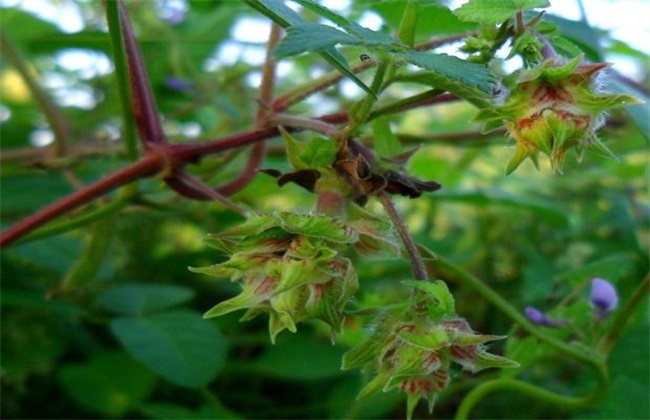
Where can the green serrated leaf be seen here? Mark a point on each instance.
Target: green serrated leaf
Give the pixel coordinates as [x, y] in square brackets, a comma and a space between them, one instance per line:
[454, 73]
[311, 37]
[319, 153]
[332, 56]
[284, 16]
[277, 11]
[364, 35]
[492, 12]
[326, 13]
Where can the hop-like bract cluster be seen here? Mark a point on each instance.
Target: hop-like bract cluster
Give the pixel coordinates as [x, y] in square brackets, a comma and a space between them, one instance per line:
[290, 266]
[414, 352]
[553, 108]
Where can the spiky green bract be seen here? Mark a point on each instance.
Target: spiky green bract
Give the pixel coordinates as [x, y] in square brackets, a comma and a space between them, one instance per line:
[291, 266]
[412, 349]
[553, 108]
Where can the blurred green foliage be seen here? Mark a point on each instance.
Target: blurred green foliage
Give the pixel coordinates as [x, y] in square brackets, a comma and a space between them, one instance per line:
[104, 321]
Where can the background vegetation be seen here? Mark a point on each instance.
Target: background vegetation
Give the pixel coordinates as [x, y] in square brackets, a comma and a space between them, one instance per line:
[101, 318]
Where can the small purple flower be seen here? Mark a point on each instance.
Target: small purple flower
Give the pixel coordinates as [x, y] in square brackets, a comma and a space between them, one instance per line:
[535, 316]
[604, 297]
[538, 317]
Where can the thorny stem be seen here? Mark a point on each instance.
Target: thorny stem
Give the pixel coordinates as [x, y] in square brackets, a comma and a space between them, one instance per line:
[417, 264]
[145, 167]
[161, 156]
[145, 110]
[56, 120]
[175, 155]
[94, 215]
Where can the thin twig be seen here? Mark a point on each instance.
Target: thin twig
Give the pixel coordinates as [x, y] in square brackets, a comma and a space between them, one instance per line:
[264, 112]
[183, 181]
[296, 95]
[415, 258]
[318, 126]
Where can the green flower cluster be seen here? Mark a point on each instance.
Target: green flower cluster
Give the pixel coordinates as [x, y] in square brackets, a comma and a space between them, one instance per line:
[414, 350]
[291, 267]
[553, 108]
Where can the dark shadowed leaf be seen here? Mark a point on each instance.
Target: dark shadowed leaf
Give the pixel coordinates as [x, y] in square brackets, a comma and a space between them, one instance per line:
[298, 357]
[179, 345]
[111, 384]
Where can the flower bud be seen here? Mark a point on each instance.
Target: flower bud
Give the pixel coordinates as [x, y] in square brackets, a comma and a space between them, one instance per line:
[538, 317]
[603, 298]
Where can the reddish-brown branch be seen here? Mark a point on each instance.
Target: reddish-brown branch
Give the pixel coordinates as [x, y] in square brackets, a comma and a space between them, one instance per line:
[160, 157]
[191, 187]
[164, 156]
[149, 165]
